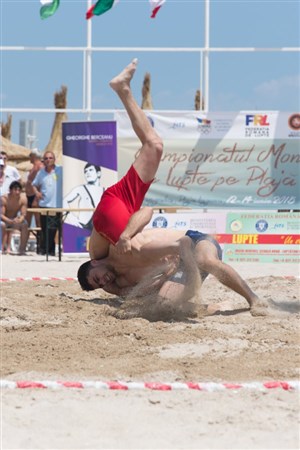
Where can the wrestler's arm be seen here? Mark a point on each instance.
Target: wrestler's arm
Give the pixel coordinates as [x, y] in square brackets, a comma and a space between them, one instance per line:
[135, 224]
[156, 249]
[190, 290]
[98, 246]
[158, 281]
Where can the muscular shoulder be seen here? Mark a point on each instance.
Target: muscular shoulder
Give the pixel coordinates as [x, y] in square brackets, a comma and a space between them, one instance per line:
[23, 199]
[4, 200]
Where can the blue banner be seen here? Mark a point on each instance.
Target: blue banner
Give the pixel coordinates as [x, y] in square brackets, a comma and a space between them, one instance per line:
[90, 166]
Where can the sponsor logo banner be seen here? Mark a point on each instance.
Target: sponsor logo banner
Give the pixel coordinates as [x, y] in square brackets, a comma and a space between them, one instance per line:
[210, 223]
[238, 233]
[262, 254]
[261, 237]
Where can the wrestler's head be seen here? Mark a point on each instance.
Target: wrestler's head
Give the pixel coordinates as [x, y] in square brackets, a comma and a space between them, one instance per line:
[95, 274]
[92, 173]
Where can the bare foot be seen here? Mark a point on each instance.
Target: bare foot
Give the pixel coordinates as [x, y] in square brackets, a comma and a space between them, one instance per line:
[122, 81]
[259, 308]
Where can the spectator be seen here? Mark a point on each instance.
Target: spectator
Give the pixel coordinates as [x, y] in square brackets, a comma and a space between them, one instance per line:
[1, 184]
[47, 187]
[13, 213]
[1, 174]
[35, 158]
[10, 174]
[86, 196]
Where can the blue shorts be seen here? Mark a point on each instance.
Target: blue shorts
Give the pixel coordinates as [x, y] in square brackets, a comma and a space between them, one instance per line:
[196, 236]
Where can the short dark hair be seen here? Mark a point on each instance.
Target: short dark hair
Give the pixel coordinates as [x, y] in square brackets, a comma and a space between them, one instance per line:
[97, 168]
[14, 185]
[82, 275]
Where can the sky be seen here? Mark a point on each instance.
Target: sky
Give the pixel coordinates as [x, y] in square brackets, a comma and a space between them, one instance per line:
[238, 81]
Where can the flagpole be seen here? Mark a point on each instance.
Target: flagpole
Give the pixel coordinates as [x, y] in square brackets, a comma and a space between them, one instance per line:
[88, 75]
[206, 56]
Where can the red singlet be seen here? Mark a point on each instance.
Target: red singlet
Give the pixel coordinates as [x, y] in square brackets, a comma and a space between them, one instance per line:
[117, 205]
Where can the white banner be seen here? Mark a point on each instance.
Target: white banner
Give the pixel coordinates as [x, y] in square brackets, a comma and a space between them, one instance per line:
[220, 160]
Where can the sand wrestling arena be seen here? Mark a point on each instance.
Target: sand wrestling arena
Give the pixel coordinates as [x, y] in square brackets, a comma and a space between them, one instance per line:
[79, 371]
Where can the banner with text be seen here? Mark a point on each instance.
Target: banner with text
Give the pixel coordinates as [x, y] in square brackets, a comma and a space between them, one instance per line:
[245, 237]
[90, 166]
[262, 237]
[218, 160]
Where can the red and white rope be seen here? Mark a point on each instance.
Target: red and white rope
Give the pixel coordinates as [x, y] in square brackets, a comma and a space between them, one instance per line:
[3, 280]
[154, 386]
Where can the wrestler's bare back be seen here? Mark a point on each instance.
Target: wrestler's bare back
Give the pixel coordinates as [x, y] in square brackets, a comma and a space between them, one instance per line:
[145, 255]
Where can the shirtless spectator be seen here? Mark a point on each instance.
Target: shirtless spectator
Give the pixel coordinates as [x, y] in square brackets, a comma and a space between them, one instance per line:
[35, 158]
[13, 213]
[10, 174]
[1, 174]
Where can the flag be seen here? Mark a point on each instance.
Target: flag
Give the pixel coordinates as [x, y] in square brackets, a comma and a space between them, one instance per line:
[100, 8]
[155, 6]
[48, 8]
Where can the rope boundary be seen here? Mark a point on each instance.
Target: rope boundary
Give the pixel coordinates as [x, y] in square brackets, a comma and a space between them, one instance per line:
[154, 386]
[3, 280]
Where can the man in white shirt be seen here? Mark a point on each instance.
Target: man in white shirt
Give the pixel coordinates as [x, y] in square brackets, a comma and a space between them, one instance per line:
[10, 174]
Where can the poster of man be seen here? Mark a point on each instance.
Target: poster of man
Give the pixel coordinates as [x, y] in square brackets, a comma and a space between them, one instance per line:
[90, 167]
[85, 196]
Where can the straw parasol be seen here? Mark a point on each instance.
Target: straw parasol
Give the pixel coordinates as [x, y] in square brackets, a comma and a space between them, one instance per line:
[55, 143]
[6, 127]
[147, 101]
[198, 100]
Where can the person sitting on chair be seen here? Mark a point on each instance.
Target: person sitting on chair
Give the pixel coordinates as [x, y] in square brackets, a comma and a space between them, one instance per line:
[13, 213]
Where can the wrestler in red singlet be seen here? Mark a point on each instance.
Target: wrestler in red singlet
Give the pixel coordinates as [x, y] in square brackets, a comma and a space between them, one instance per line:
[117, 205]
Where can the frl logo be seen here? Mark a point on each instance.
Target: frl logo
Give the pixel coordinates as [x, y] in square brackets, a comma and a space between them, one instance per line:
[203, 121]
[257, 120]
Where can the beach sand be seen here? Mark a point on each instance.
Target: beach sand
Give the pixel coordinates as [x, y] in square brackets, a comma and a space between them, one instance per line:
[51, 330]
